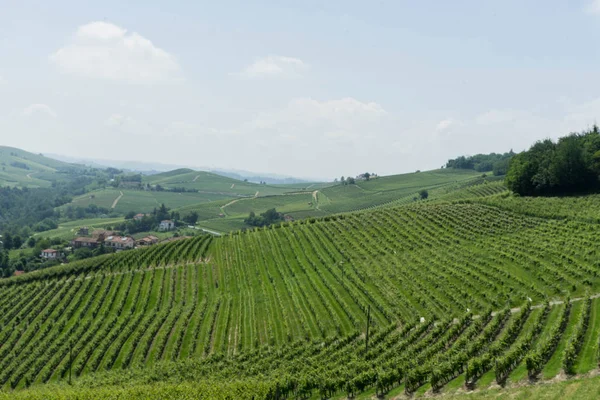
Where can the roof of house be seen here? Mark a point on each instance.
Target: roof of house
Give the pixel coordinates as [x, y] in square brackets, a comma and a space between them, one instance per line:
[124, 239]
[49, 251]
[17, 273]
[166, 221]
[139, 215]
[152, 237]
[86, 239]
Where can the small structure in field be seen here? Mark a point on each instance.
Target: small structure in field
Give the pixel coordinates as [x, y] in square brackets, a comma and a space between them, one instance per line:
[166, 225]
[89, 242]
[83, 231]
[18, 273]
[49, 254]
[138, 217]
[147, 241]
[119, 242]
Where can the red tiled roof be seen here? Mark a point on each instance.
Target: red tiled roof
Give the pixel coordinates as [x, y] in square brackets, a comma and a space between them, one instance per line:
[49, 251]
[17, 273]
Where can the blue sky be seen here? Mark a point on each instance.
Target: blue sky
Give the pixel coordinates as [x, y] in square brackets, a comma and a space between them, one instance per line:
[312, 89]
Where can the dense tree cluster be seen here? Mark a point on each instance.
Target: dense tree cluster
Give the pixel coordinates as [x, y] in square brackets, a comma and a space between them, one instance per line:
[267, 218]
[498, 163]
[149, 222]
[570, 165]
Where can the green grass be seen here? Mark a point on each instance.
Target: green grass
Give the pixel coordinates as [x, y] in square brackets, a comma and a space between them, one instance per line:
[588, 358]
[68, 230]
[139, 200]
[554, 365]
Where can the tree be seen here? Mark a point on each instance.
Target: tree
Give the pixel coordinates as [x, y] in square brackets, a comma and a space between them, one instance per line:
[350, 181]
[130, 215]
[191, 218]
[31, 242]
[7, 241]
[17, 242]
[423, 194]
[367, 176]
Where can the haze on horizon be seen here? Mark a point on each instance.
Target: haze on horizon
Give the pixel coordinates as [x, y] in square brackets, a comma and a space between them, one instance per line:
[309, 89]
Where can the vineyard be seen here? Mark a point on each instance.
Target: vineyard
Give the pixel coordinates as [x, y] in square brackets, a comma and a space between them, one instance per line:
[428, 297]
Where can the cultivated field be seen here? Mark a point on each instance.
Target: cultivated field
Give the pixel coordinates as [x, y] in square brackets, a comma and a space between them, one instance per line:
[283, 311]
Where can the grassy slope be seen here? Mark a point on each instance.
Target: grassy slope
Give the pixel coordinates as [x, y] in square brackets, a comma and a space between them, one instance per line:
[41, 169]
[211, 183]
[331, 199]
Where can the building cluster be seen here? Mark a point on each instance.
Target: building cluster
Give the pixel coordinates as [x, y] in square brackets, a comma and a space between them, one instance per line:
[109, 239]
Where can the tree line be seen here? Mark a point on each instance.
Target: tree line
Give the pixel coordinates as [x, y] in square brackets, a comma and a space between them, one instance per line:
[496, 162]
[569, 165]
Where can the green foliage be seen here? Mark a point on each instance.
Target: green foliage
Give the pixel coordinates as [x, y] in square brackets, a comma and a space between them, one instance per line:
[498, 163]
[547, 168]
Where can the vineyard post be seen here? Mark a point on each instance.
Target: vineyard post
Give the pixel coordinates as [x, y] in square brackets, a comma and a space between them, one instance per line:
[70, 359]
[368, 323]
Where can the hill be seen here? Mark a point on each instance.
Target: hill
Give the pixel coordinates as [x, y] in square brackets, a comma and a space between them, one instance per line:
[283, 311]
[320, 199]
[208, 182]
[23, 169]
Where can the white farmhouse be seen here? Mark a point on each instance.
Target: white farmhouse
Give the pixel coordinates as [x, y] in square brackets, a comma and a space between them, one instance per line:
[166, 225]
[49, 254]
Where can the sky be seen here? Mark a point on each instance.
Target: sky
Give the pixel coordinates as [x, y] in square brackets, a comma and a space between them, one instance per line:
[311, 89]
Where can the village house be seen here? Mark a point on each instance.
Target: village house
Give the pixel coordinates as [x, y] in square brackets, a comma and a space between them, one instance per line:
[18, 273]
[166, 225]
[89, 242]
[102, 234]
[147, 241]
[139, 217]
[49, 254]
[288, 218]
[119, 242]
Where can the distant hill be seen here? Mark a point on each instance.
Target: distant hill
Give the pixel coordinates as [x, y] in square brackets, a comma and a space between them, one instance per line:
[24, 169]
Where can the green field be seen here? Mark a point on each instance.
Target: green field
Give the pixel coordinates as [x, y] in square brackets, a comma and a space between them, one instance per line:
[67, 230]
[285, 308]
[39, 171]
[210, 183]
[318, 200]
[139, 200]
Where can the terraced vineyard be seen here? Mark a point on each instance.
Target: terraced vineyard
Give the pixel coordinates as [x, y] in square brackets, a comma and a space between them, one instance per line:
[418, 298]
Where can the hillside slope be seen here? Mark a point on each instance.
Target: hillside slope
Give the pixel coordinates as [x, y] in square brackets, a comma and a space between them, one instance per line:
[285, 309]
[24, 169]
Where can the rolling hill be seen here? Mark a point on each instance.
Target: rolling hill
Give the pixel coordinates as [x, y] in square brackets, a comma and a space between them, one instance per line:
[23, 169]
[452, 295]
[318, 200]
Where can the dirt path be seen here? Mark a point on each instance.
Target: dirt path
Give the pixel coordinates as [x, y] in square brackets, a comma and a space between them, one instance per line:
[256, 194]
[114, 204]
[196, 177]
[315, 199]
[232, 186]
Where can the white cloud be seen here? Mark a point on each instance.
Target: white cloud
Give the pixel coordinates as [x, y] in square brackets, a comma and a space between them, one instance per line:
[118, 120]
[38, 110]
[106, 51]
[593, 7]
[274, 66]
[444, 124]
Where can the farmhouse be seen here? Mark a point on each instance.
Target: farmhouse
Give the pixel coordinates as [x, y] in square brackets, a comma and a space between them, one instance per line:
[138, 217]
[49, 254]
[18, 273]
[119, 242]
[83, 241]
[166, 225]
[147, 241]
[102, 234]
